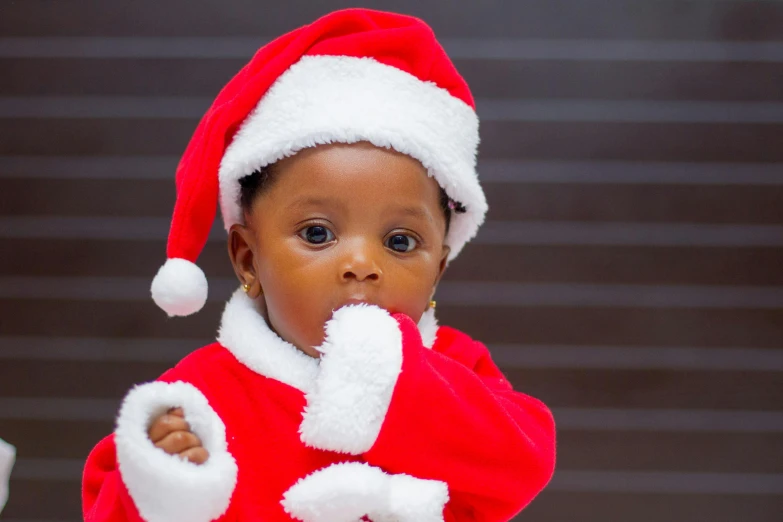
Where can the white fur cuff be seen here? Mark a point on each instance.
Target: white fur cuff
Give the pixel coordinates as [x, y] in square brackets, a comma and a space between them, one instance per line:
[346, 492]
[412, 499]
[360, 363]
[164, 487]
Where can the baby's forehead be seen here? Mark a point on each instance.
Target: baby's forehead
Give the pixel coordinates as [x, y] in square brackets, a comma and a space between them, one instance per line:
[344, 153]
[353, 182]
[354, 169]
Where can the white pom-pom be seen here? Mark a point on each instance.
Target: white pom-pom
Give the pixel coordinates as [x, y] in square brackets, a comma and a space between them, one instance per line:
[179, 288]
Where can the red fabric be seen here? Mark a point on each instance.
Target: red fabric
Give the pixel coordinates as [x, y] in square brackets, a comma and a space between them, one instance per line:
[397, 40]
[102, 487]
[453, 417]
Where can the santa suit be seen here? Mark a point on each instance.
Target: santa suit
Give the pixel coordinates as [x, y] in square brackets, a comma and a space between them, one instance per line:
[380, 427]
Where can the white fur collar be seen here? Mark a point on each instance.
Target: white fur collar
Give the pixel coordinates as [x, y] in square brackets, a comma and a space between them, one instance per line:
[244, 332]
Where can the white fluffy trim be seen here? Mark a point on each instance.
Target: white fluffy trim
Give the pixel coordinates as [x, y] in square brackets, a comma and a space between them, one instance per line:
[428, 328]
[346, 492]
[341, 99]
[7, 458]
[244, 332]
[360, 362]
[179, 288]
[164, 487]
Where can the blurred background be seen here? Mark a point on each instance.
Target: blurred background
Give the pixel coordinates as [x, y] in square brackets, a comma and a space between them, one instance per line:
[630, 274]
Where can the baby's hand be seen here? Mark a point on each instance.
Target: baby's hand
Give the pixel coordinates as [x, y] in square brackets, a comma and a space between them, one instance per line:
[172, 434]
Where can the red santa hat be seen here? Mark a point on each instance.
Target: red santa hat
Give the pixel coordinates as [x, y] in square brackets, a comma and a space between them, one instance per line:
[353, 75]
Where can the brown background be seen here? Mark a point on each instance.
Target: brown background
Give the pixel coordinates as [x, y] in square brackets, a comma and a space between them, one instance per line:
[630, 274]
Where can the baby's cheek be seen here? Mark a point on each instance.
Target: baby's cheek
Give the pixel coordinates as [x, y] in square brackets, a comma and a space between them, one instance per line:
[313, 336]
[411, 292]
[298, 321]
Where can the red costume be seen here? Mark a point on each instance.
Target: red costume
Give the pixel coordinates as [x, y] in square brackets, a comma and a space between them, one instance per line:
[382, 427]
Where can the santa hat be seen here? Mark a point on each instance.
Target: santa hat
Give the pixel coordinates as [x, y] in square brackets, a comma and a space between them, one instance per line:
[353, 75]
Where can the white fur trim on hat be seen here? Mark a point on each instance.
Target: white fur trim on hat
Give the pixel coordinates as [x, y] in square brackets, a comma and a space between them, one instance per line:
[347, 491]
[166, 488]
[341, 99]
[360, 362]
[179, 287]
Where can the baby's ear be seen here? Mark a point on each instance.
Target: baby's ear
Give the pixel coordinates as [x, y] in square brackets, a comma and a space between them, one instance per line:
[242, 253]
[444, 261]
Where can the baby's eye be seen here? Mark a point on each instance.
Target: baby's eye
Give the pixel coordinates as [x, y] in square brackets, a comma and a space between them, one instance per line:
[317, 235]
[401, 243]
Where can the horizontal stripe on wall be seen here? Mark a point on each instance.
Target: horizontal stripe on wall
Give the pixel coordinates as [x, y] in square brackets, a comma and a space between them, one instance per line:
[97, 349]
[457, 48]
[58, 409]
[453, 293]
[564, 480]
[505, 355]
[581, 419]
[501, 79]
[629, 172]
[89, 167]
[636, 357]
[490, 171]
[515, 203]
[668, 420]
[739, 20]
[637, 265]
[551, 506]
[630, 450]
[710, 142]
[648, 234]
[528, 110]
[491, 233]
[621, 296]
[667, 482]
[696, 327]
[38, 520]
[625, 111]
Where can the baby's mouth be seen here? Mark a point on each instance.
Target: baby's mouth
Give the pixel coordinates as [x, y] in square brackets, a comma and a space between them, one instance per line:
[357, 300]
[353, 301]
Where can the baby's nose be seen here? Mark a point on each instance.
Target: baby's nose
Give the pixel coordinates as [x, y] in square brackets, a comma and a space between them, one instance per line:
[361, 275]
[360, 265]
[363, 272]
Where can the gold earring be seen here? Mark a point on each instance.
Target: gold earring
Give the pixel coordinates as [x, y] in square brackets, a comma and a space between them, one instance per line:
[246, 288]
[433, 304]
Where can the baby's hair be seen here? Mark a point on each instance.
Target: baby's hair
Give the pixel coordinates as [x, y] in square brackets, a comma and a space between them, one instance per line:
[253, 185]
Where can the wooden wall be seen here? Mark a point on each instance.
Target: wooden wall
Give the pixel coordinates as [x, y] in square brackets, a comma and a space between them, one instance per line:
[630, 274]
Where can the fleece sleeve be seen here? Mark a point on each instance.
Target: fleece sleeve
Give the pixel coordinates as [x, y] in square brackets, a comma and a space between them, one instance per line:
[126, 478]
[411, 410]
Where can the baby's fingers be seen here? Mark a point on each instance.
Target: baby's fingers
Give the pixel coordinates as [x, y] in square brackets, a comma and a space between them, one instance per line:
[178, 441]
[166, 424]
[195, 455]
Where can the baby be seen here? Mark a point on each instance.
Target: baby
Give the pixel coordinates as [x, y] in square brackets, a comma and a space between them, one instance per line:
[343, 158]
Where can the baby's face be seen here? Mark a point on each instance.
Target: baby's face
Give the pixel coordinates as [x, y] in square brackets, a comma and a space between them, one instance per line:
[344, 224]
